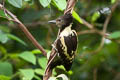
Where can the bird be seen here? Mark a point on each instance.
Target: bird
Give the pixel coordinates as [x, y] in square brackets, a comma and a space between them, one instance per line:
[65, 46]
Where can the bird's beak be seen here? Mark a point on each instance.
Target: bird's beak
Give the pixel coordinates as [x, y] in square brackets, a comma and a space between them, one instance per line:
[52, 21]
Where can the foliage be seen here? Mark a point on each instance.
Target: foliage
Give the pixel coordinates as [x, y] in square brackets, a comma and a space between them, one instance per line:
[20, 60]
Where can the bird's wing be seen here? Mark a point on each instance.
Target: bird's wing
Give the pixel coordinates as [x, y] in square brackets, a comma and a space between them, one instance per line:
[66, 46]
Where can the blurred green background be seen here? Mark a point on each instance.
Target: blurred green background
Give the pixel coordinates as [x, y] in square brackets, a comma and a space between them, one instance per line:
[20, 60]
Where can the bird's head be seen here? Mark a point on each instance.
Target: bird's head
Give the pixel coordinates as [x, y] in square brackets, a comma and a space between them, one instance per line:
[63, 21]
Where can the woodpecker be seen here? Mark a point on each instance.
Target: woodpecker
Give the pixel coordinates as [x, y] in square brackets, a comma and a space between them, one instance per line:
[66, 42]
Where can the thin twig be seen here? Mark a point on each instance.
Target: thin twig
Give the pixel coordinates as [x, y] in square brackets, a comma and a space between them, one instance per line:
[106, 25]
[91, 31]
[87, 24]
[24, 29]
[95, 74]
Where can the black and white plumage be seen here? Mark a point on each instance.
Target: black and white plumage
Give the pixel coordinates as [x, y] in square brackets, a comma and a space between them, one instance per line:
[65, 45]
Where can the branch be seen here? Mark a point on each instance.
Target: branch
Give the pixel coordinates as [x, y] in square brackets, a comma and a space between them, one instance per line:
[95, 74]
[90, 26]
[23, 28]
[70, 6]
[106, 25]
[91, 31]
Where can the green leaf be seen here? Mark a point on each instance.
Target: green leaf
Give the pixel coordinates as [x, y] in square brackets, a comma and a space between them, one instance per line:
[5, 28]
[36, 51]
[70, 72]
[30, 15]
[11, 36]
[13, 55]
[3, 50]
[115, 35]
[61, 4]
[16, 3]
[6, 69]
[42, 62]
[36, 77]
[3, 37]
[54, 72]
[44, 3]
[3, 77]
[28, 74]
[95, 16]
[39, 71]
[77, 17]
[28, 56]
[2, 14]
[61, 67]
[113, 1]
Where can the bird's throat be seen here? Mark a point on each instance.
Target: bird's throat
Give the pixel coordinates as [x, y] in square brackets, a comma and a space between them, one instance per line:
[66, 31]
